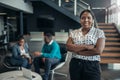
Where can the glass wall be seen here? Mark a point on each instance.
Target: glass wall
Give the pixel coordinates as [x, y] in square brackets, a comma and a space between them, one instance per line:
[114, 12]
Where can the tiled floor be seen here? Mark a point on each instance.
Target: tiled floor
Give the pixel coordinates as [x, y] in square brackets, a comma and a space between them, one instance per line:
[110, 74]
[107, 74]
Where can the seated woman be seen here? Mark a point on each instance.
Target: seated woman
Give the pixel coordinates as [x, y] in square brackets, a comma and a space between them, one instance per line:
[20, 54]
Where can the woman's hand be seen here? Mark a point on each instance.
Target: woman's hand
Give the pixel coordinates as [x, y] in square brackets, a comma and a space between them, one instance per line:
[23, 56]
[30, 60]
[89, 47]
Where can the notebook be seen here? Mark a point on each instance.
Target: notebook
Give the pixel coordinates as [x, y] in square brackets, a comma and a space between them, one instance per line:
[27, 74]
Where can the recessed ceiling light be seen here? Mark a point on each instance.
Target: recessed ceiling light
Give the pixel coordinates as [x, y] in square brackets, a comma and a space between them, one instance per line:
[66, 0]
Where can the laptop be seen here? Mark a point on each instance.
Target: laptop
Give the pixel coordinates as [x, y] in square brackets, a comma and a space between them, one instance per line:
[27, 74]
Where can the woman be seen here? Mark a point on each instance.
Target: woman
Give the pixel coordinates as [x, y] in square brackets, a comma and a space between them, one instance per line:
[20, 54]
[86, 44]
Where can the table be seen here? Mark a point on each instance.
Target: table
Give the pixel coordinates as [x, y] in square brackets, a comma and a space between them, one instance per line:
[17, 75]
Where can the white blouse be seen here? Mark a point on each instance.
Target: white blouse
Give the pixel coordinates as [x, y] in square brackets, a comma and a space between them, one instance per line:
[24, 53]
[90, 38]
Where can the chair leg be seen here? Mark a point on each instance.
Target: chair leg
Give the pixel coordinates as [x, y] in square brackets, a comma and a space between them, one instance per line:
[61, 74]
[20, 68]
[52, 75]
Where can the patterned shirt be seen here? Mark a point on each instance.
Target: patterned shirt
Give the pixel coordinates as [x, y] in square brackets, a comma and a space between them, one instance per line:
[90, 38]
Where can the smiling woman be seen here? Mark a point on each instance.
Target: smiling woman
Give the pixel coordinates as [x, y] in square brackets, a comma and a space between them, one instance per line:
[86, 50]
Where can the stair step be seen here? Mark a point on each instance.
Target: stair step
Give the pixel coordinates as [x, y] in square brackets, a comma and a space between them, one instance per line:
[110, 60]
[105, 24]
[104, 27]
[111, 35]
[110, 54]
[112, 49]
[113, 39]
[113, 30]
[112, 43]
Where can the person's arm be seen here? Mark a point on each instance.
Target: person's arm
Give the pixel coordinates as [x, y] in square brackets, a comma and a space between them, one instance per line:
[97, 50]
[15, 52]
[26, 54]
[76, 47]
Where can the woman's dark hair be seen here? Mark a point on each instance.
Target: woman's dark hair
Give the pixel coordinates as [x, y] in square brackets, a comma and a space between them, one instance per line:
[20, 38]
[93, 16]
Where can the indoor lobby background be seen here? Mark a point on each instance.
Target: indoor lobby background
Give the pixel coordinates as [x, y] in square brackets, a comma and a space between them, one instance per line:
[21, 17]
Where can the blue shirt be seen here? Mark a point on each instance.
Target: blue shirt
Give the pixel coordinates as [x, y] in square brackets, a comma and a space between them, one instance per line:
[51, 50]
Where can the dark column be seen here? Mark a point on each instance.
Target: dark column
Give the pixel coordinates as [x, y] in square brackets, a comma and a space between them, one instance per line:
[21, 23]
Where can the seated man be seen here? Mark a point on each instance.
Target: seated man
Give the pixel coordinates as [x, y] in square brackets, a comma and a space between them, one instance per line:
[49, 56]
[20, 54]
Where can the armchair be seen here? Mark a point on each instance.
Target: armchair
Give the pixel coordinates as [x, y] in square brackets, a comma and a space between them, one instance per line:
[62, 62]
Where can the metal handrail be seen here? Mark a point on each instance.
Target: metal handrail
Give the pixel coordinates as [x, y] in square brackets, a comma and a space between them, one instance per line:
[76, 4]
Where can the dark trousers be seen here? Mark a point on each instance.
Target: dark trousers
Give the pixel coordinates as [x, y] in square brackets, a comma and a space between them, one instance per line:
[22, 62]
[47, 65]
[84, 70]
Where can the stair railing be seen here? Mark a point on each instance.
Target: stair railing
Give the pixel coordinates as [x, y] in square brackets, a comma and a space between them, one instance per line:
[76, 4]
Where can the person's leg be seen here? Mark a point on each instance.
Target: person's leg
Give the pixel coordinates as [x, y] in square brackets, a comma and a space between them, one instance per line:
[75, 69]
[92, 70]
[29, 65]
[24, 62]
[48, 64]
[37, 64]
[16, 62]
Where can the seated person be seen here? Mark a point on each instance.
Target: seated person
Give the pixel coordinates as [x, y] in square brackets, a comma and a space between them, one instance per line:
[20, 54]
[49, 56]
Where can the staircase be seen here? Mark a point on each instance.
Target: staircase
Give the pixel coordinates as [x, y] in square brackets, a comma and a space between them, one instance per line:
[111, 53]
[67, 8]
